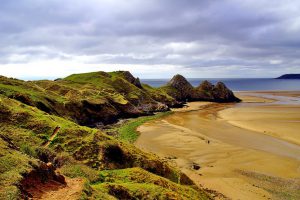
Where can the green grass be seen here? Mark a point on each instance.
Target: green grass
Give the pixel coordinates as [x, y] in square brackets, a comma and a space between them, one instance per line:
[12, 165]
[81, 151]
[128, 132]
[79, 170]
[138, 183]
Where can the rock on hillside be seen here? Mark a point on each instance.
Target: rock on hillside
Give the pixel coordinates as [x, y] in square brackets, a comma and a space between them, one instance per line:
[130, 78]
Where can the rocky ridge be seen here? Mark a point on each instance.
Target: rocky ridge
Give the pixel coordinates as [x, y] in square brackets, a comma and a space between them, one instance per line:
[181, 90]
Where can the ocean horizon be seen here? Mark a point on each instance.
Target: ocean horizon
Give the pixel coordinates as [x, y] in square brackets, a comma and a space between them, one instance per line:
[239, 84]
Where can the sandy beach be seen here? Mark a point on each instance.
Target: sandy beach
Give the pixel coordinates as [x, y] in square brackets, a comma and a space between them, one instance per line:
[248, 150]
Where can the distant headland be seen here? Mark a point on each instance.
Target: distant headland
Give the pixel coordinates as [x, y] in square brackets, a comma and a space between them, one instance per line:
[289, 76]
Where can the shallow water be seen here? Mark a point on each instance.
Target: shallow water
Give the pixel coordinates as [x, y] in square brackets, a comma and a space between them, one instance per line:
[282, 100]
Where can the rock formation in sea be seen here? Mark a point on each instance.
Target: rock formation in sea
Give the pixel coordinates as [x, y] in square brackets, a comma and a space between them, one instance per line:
[180, 89]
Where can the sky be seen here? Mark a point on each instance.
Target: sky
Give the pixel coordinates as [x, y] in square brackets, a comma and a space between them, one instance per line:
[151, 38]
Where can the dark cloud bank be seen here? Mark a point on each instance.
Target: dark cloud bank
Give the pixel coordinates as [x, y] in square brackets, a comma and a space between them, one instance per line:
[256, 38]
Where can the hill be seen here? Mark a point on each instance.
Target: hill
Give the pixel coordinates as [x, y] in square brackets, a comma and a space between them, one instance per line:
[47, 147]
[289, 76]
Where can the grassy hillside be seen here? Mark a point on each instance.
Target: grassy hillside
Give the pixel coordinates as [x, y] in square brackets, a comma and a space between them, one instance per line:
[89, 98]
[110, 169]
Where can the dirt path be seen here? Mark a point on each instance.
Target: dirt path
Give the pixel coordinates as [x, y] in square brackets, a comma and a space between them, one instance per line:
[53, 190]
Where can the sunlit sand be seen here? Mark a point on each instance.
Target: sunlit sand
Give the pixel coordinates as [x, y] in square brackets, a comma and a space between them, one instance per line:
[245, 151]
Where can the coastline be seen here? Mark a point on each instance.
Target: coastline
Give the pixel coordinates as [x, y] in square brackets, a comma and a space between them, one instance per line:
[233, 170]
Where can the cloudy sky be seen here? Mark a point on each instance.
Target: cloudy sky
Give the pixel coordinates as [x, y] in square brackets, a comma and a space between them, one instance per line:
[151, 38]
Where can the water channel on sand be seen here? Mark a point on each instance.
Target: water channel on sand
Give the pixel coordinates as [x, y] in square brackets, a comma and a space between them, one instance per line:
[246, 151]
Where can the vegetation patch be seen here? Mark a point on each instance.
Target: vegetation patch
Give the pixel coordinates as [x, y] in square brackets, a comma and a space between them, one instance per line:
[80, 171]
[127, 132]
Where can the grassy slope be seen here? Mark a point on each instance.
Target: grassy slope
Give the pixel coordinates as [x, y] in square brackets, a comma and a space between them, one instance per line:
[82, 97]
[85, 151]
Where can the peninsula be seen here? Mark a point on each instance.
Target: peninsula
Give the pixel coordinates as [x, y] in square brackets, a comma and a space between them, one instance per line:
[289, 76]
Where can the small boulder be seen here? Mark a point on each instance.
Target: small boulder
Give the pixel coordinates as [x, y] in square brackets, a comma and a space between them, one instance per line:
[196, 166]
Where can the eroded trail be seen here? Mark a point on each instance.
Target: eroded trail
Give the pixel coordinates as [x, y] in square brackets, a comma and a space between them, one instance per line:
[53, 190]
[239, 162]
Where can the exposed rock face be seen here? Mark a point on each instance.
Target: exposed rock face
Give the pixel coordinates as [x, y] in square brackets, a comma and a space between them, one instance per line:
[131, 79]
[137, 83]
[183, 87]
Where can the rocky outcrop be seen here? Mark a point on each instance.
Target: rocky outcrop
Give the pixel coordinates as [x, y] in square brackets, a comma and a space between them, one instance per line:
[137, 83]
[183, 88]
[131, 79]
[204, 91]
[222, 94]
[180, 89]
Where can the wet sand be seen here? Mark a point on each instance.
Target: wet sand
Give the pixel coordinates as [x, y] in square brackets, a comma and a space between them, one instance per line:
[242, 149]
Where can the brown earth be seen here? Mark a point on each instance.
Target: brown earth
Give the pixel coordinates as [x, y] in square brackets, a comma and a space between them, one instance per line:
[53, 190]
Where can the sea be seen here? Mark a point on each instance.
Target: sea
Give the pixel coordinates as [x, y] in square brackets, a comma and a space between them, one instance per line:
[240, 84]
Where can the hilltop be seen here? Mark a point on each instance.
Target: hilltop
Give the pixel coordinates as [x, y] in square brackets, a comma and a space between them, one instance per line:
[47, 139]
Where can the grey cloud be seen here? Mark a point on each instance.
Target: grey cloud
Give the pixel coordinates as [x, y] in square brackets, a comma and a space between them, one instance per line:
[222, 33]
